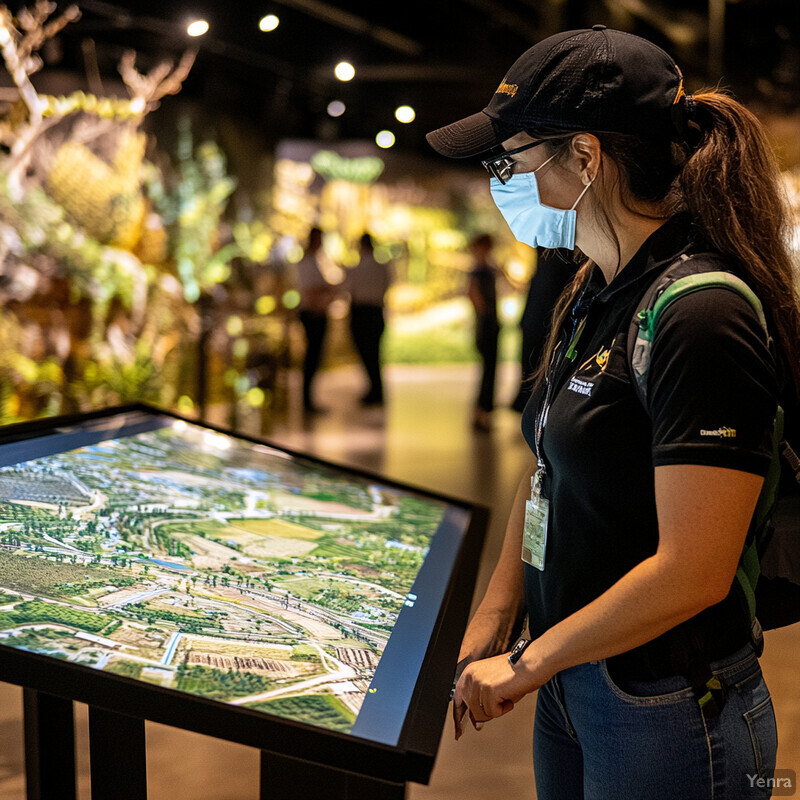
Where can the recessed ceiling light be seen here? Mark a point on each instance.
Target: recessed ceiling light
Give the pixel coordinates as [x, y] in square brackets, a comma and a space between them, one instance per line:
[384, 139]
[268, 23]
[405, 114]
[197, 27]
[344, 71]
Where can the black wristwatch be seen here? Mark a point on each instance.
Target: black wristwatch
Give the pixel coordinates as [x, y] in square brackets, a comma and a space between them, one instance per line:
[517, 650]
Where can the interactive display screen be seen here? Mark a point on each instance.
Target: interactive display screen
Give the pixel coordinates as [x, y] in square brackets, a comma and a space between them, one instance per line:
[150, 547]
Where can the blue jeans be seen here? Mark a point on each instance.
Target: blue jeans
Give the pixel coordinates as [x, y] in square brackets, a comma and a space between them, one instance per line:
[593, 740]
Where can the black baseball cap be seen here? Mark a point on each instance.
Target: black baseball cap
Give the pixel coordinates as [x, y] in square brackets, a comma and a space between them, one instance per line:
[596, 79]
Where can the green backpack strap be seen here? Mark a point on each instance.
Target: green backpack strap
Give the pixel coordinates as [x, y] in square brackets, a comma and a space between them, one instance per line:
[647, 318]
[644, 324]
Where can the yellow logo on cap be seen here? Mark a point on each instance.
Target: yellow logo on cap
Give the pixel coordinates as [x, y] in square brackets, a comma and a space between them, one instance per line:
[507, 88]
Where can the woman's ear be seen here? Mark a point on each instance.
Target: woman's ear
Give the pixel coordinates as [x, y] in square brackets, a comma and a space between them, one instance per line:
[587, 155]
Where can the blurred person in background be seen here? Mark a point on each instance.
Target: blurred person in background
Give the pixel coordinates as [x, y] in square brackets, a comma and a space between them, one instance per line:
[367, 284]
[482, 292]
[627, 530]
[316, 295]
[554, 270]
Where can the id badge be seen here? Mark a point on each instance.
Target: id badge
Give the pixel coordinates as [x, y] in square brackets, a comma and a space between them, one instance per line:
[534, 535]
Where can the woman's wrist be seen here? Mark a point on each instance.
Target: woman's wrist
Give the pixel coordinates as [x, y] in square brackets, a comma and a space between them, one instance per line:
[507, 622]
[533, 666]
[491, 631]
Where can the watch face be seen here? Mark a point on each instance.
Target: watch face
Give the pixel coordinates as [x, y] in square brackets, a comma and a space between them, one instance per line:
[518, 650]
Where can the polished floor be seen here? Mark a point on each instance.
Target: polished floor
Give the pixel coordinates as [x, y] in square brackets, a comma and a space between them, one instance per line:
[423, 437]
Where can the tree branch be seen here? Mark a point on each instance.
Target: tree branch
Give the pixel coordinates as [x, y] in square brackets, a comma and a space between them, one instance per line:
[160, 81]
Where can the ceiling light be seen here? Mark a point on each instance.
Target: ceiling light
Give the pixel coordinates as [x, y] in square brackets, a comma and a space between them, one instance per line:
[336, 108]
[197, 28]
[404, 114]
[268, 23]
[384, 139]
[344, 71]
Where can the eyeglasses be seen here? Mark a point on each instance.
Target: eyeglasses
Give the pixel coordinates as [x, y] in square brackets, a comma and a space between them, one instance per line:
[502, 166]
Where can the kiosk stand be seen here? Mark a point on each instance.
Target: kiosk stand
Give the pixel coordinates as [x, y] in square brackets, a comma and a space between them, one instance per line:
[119, 768]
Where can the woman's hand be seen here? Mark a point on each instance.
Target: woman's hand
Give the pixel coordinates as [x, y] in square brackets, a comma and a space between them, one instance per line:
[487, 635]
[489, 688]
[500, 616]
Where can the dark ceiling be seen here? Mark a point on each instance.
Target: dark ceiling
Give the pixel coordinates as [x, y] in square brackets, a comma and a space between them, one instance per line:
[442, 57]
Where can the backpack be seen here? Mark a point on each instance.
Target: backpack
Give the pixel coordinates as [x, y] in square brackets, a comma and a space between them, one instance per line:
[768, 574]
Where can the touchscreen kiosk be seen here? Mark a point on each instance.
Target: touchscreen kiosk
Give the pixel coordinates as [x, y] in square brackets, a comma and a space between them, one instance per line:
[154, 565]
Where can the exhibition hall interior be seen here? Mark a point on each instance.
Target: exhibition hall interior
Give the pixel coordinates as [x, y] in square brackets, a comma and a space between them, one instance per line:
[264, 356]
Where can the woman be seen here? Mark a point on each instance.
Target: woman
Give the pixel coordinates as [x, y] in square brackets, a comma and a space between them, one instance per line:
[632, 517]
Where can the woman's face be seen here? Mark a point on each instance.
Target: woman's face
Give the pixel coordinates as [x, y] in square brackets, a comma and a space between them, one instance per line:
[559, 184]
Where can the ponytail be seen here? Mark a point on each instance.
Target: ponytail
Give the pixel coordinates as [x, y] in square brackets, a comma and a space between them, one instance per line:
[731, 185]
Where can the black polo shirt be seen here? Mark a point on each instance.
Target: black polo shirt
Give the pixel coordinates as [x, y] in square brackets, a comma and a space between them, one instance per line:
[711, 400]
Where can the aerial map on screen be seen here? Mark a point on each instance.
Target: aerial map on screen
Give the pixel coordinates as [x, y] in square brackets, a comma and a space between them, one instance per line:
[208, 564]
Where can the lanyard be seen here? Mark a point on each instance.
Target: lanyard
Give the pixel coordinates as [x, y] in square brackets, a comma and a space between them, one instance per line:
[551, 379]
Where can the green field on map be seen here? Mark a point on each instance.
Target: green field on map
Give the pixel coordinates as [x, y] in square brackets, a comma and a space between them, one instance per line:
[204, 563]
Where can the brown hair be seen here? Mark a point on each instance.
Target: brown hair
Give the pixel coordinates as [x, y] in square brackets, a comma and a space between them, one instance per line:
[730, 183]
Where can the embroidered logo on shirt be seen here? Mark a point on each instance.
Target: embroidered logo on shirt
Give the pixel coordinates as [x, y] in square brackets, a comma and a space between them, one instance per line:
[720, 433]
[600, 358]
[580, 387]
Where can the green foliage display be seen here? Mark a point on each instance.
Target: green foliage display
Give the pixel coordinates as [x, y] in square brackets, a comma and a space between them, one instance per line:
[116, 354]
[192, 211]
[116, 314]
[449, 344]
[42, 228]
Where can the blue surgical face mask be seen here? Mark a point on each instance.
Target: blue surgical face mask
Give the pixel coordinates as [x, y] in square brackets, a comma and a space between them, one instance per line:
[531, 222]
